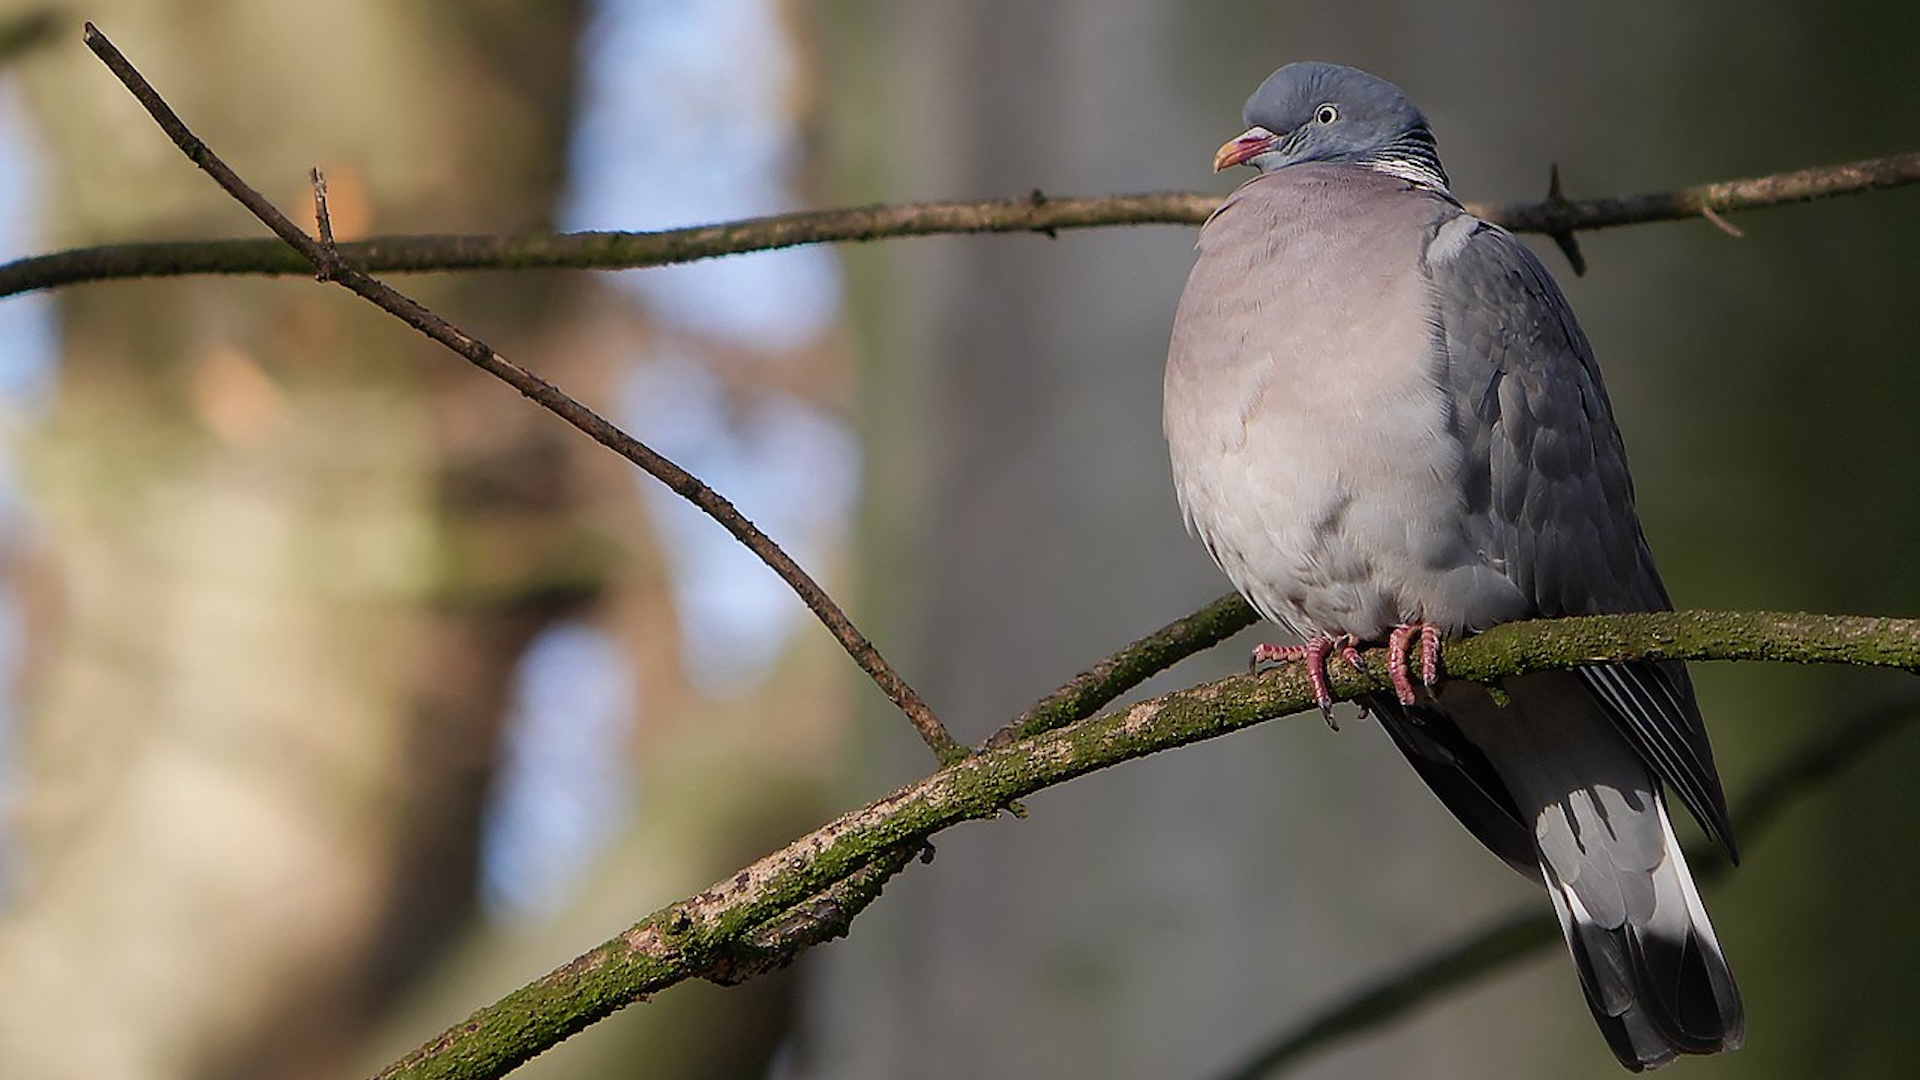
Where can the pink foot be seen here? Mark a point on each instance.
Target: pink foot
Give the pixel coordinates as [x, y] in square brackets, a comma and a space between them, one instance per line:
[1314, 654]
[1400, 644]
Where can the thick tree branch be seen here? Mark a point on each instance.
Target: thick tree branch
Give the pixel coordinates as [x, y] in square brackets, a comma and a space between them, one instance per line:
[1555, 216]
[324, 260]
[1504, 942]
[688, 939]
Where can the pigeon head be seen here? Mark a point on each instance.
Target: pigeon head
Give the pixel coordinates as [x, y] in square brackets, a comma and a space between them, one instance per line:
[1324, 112]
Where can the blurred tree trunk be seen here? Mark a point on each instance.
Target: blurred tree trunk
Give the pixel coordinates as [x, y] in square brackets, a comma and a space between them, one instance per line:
[721, 773]
[291, 550]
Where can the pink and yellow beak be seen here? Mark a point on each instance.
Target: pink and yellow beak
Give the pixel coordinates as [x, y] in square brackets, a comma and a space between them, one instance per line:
[1244, 147]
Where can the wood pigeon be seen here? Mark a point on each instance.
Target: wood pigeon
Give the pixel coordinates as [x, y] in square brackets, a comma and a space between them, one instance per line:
[1385, 424]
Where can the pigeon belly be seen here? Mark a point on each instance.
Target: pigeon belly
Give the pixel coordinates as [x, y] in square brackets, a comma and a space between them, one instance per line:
[1316, 457]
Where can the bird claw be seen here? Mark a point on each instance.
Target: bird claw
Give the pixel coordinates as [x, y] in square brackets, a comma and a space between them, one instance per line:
[1400, 646]
[1314, 654]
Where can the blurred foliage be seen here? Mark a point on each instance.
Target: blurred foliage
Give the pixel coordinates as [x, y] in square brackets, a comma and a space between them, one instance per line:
[23, 31]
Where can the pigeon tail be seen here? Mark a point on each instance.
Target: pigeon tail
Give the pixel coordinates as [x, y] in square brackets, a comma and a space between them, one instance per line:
[1549, 784]
[1658, 988]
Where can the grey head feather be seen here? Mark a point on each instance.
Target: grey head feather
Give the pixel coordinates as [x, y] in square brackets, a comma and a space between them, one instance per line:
[1327, 112]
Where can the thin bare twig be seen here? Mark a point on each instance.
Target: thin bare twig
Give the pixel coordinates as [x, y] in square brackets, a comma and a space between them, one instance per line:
[1504, 942]
[1556, 217]
[324, 260]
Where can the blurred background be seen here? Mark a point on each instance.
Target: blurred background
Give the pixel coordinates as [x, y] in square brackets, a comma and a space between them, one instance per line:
[345, 691]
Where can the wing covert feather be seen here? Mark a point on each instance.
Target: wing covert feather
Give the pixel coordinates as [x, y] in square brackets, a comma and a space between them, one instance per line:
[1547, 490]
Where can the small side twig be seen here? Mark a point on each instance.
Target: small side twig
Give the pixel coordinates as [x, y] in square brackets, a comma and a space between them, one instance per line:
[323, 259]
[329, 263]
[1721, 223]
[1564, 239]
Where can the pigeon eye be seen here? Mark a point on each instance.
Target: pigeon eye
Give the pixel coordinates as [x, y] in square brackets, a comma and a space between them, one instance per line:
[1326, 114]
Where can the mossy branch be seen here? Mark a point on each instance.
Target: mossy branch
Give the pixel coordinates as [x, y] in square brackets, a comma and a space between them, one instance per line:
[701, 936]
